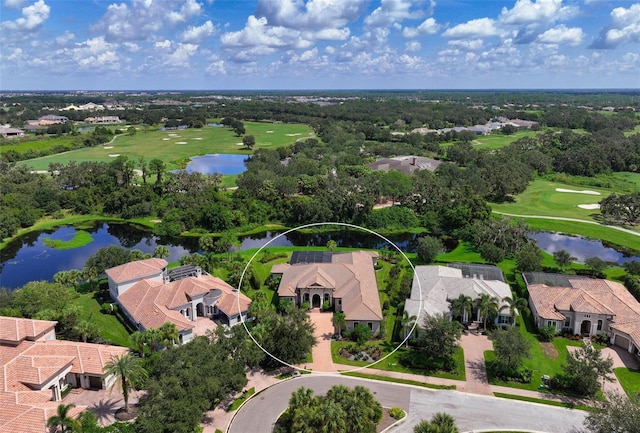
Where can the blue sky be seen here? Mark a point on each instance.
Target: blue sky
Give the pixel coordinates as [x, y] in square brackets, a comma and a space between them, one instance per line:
[318, 44]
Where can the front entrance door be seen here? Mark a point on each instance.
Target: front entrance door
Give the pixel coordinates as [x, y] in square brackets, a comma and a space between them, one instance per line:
[316, 301]
[585, 327]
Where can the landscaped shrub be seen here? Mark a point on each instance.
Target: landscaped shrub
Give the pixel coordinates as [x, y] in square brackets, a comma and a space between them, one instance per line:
[547, 332]
[396, 413]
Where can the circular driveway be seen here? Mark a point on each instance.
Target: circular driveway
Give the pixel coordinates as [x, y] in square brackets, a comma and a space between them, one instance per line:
[472, 412]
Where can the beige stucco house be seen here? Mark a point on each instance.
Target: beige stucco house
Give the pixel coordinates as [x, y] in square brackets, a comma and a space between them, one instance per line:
[587, 307]
[347, 281]
[150, 295]
[35, 368]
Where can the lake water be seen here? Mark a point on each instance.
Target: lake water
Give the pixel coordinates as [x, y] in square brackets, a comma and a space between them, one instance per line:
[580, 248]
[217, 163]
[28, 258]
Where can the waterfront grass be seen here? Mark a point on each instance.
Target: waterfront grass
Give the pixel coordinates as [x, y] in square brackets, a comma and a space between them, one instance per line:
[174, 147]
[110, 328]
[396, 380]
[629, 379]
[80, 239]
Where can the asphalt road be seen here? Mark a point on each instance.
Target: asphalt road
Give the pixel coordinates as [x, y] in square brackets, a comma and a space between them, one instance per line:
[472, 412]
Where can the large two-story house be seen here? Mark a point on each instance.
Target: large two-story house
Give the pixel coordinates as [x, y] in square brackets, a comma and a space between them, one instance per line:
[345, 281]
[150, 295]
[35, 368]
[585, 306]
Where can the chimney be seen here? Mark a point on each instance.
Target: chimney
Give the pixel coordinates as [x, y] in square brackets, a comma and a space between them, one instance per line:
[414, 161]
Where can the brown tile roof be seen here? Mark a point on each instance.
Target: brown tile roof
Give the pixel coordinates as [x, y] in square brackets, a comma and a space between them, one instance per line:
[135, 270]
[17, 329]
[350, 275]
[590, 296]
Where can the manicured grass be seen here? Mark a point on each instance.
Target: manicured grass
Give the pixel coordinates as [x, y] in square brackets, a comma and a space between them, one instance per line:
[174, 147]
[80, 239]
[110, 327]
[395, 380]
[238, 401]
[629, 379]
[541, 198]
[392, 363]
[495, 141]
[542, 401]
[31, 142]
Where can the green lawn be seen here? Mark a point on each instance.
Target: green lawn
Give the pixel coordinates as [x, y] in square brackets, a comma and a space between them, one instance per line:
[495, 141]
[392, 363]
[396, 380]
[79, 239]
[175, 147]
[629, 379]
[110, 327]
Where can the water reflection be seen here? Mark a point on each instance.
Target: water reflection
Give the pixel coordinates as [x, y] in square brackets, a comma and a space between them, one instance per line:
[579, 247]
[217, 163]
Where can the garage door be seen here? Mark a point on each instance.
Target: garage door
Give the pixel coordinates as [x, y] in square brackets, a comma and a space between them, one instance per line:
[622, 342]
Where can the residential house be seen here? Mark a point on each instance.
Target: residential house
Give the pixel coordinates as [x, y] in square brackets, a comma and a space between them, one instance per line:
[434, 287]
[35, 368]
[103, 119]
[585, 306]
[405, 164]
[345, 281]
[7, 132]
[150, 295]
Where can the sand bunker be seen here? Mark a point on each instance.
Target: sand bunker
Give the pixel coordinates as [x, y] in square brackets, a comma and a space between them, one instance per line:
[584, 191]
[165, 139]
[114, 155]
[589, 206]
[108, 147]
[181, 142]
[240, 144]
[198, 138]
[292, 135]
[174, 135]
[269, 132]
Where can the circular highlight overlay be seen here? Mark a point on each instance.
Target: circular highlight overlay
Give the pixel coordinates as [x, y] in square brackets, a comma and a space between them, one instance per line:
[342, 225]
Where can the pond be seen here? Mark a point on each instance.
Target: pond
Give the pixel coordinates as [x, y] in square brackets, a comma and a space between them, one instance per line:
[580, 248]
[28, 258]
[217, 163]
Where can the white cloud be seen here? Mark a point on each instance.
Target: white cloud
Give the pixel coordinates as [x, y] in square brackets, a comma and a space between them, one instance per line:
[257, 33]
[189, 9]
[16, 55]
[13, 4]
[412, 47]
[428, 27]
[96, 52]
[181, 55]
[166, 44]
[537, 11]
[467, 44]
[311, 15]
[390, 12]
[65, 38]
[217, 68]
[478, 28]
[562, 35]
[32, 17]
[131, 47]
[196, 34]
[329, 34]
[624, 27]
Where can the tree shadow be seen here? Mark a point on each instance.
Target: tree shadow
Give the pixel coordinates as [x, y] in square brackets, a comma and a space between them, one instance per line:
[105, 408]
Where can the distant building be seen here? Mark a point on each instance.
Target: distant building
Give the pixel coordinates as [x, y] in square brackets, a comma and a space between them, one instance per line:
[405, 164]
[47, 120]
[6, 132]
[103, 119]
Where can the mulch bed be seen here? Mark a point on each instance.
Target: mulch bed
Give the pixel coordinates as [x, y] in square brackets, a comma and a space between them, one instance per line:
[121, 415]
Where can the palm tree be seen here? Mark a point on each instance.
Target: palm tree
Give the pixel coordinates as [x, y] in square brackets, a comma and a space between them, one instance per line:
[331, 244]
[128, 370]
[486, 305]
[161, 251]
[86, 329]
[61, 421]
[461, 307]
[440, 423]
[339, 320]
[138, 340]
[168, 334]
[407, 322]
[516, 306]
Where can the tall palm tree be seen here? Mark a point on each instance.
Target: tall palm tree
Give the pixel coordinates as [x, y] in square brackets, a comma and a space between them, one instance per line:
[128, 371]
[339, 320]
[168, 334]
[516, 307]
[407, 322]
[461, 307]
[486, 306]
[61, 421]
[86, 330]
[139, 340]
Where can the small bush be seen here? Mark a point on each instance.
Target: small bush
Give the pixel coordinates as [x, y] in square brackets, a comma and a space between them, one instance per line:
[547, 332]
[396, 413]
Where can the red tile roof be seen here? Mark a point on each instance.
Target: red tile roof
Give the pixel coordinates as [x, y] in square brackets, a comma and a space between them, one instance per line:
[135, 270]
[14, 329]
